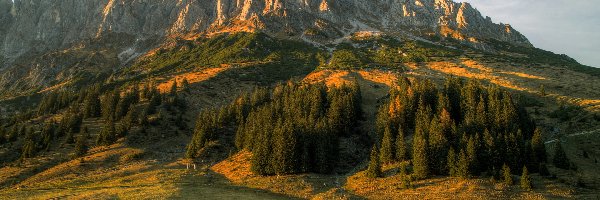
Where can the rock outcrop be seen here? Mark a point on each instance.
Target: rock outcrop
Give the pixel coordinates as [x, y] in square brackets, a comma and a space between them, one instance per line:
[42, 25]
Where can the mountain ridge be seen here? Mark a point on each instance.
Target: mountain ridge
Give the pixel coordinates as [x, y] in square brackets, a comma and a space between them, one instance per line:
[39, 26]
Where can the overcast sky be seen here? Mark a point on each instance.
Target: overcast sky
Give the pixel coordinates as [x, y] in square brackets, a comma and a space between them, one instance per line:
[569, 27]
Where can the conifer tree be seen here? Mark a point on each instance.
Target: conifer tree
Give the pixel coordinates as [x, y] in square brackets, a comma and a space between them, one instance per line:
[438, 147]
[29, 149]
[462, 166]
[420, 157]
[387, 154]
[374, 169]
[108, 134]
[508, 180]
[285, 149]
[560, 158]
[525, 180]
[48, 134]
[155, 101]
[185, 86]
[452, 163]
[401, 148]
[472, 156]
[537, 145]
[173, 90]
[91, 105]
[81, 146]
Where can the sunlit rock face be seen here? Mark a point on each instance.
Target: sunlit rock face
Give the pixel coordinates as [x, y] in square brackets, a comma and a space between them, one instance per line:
[41, 25]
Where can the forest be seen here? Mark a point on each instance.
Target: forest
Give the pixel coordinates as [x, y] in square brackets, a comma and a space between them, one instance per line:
[293, 128]
[460, 128]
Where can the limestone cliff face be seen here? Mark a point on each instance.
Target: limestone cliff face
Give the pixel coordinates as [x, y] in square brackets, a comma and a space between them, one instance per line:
[41, 25]
[6, 19]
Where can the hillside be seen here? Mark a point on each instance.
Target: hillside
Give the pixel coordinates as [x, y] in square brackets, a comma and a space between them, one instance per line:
[288, 99]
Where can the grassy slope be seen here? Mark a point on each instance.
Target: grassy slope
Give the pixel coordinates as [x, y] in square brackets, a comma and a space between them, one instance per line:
[153, 176]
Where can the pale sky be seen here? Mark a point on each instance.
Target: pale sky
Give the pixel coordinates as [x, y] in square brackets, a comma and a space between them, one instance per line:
[569, 27]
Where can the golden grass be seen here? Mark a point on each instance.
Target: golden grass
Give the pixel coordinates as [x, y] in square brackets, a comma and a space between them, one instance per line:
[390, 187]
[191, 77]
[475, 71]
[237, 170]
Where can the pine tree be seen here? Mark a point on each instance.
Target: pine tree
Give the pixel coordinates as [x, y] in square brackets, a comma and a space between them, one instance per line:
[155, 101]
[48, 134]
[420, 156]
[108, 134]
[438, 147]
[537, 145]
[525, 180]
[185, 86]
[508, 180]
[374, 169]
[387, 154]
[29, 149]
[560, 158]
[81, 146]
[472, 156]
[285, 149]
[452, 163]
[462, 166]
[401, 148]
[91, 105]
[173, 90]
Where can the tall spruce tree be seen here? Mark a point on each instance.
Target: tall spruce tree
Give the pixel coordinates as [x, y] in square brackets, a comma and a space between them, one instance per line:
[81, 146]
[374, 168]
[452, 162]
[401, 148]
[538, 147]
[506, 173]
[526, 180]
[387, 151]
[420, 156]
[463, 164]
[560, 158]
[108, 134]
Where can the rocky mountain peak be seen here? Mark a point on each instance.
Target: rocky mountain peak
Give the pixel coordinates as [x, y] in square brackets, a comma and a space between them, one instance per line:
[41, 25]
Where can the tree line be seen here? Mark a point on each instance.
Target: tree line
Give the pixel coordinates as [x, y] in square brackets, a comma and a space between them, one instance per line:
[119, 111]
[461, 129]
[293, 128]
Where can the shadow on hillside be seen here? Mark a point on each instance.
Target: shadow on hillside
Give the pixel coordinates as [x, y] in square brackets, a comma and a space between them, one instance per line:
[211, 185]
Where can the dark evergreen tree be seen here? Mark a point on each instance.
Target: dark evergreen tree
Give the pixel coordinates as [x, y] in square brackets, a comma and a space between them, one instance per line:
[29, 149]
[48, 134]
[108, 134]
[462, 165]
[452, 163]
[420, 156]
[525, 180]
[538, 147]
[185, 86]
[401, 148]
[374, 169]
[81, 146]
[438, 147]
[560, 158]
[91, 104]
[506, 173]
[387, 151]
[285, 150]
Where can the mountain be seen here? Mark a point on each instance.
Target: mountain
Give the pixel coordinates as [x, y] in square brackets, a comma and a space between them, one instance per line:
[272, 99]
[34, 26]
